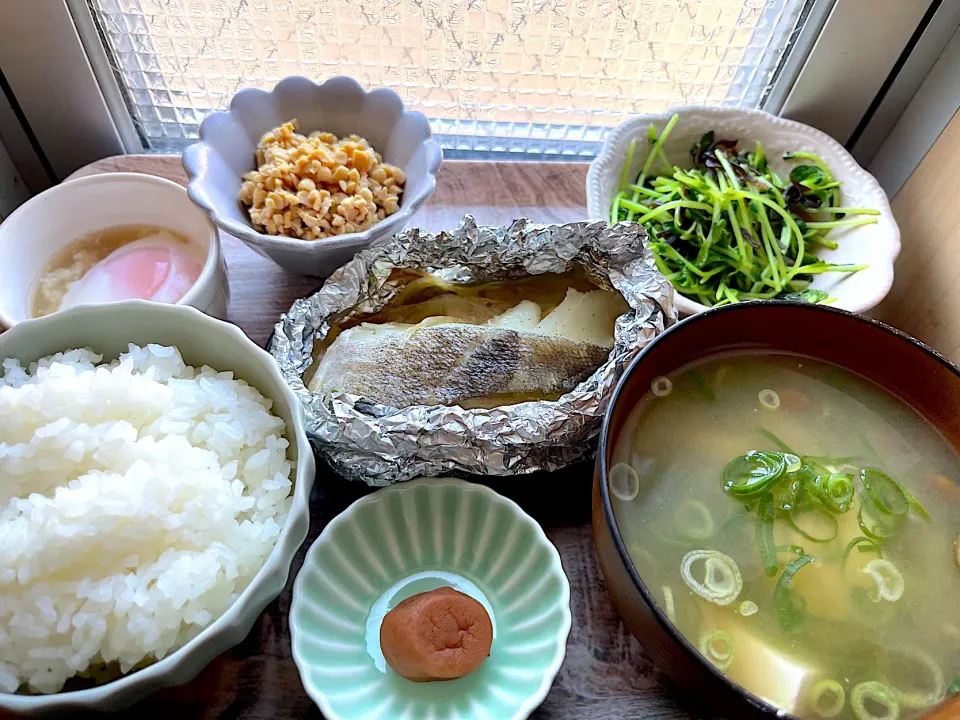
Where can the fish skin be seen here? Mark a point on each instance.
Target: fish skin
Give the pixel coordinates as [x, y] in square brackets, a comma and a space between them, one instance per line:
[400, 365]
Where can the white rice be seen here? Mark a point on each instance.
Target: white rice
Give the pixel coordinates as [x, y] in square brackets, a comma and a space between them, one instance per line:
[137, 500]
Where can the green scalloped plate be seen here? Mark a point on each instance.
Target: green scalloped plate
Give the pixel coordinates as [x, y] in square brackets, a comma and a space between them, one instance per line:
[408, 539]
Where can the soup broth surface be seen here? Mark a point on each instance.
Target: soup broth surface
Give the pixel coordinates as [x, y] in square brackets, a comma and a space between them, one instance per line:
[818, 628]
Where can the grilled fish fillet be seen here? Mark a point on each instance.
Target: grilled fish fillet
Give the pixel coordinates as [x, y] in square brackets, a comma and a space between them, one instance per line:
[439, 362]
[450, 350]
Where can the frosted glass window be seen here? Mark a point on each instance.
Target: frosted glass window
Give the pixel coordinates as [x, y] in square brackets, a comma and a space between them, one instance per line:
[525, 78]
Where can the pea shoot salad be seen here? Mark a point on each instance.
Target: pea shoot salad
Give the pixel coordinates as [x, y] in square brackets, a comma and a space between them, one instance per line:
[730, 228]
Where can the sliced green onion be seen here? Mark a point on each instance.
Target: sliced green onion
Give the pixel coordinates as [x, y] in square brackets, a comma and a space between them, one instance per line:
[790, 610]
[661, 386]
[790, 493]
[845, 466]
[792, 462]
[624, 482]
[643, 464]
[641, 553]
[813, 467]
[738, 514]
[794, 549]
[883, 703]
[702, 384]
[814, 524]
[888, 579]
[836, 491]
[718, 647]
[781, 445]
[932, 687]
[694, 520]
[751, 474]
[722, 582]
[884, 492]
[679, 542]
[877, 531]
[863, 545]
[748, 608]
[915, 504]
[769, 399]
[764, 530]
[827, 698]
[668, 606]
[833, 491]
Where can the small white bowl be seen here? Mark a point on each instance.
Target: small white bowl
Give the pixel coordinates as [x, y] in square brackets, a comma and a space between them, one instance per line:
[874, 245]
[108, 329]
[47, 223]
[228, 142]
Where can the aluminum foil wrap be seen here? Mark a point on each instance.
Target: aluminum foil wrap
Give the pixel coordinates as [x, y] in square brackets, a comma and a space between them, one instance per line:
[381, 445]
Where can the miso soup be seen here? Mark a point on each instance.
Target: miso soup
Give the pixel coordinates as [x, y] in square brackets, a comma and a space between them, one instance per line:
[797, 523]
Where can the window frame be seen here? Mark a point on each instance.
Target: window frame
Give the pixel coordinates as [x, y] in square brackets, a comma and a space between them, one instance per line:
[920, 103]
[60, 75]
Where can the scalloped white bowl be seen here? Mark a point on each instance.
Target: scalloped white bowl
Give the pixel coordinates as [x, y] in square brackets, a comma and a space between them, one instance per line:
[108, 329]
[874, 245]
[412, 538]
[228, 140]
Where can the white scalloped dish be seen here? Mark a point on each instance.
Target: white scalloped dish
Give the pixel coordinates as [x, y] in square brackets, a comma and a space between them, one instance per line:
[228, 140]
[875, 245]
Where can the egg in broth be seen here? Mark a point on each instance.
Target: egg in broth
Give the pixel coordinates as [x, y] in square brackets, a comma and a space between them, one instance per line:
[125, 262]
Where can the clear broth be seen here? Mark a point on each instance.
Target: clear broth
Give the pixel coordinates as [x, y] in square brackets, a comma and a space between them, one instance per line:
[680, 443]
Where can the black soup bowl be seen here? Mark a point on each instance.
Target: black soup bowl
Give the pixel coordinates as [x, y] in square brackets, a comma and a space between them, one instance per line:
[913, 372]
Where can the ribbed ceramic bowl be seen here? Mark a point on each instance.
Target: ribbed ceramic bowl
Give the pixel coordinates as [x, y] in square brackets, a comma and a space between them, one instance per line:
[874, 245]
[408, 539]
[228, 140]
[108, 329]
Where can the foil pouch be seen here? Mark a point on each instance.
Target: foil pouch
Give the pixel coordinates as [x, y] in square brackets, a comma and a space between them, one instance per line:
[381, 445]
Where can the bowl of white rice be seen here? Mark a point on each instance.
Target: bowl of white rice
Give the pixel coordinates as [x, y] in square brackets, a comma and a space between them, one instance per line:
[154, 484]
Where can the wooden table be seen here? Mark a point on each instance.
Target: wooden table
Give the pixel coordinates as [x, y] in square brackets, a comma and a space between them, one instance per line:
[925, 298]
[606, 674]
